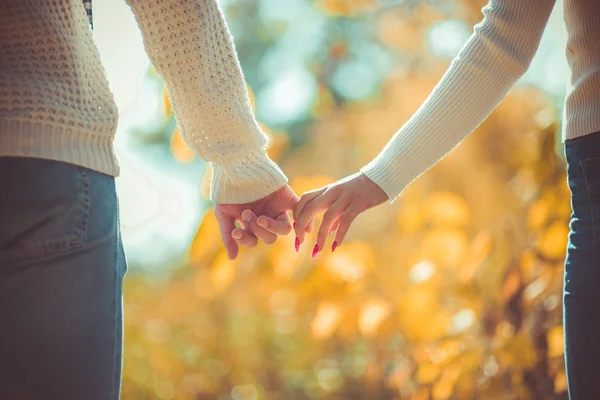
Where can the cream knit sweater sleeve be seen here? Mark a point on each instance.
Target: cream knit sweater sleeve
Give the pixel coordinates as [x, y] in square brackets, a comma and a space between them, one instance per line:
[190, 45]
[493, 59]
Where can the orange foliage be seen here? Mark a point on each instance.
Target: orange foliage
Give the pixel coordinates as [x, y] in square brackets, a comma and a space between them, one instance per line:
[453, 289]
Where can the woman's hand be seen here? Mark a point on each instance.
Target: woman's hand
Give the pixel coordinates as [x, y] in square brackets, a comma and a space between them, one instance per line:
[342, 202]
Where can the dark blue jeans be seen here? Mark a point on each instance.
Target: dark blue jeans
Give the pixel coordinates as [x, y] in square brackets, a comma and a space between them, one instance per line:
[582, 270]
[61, 270]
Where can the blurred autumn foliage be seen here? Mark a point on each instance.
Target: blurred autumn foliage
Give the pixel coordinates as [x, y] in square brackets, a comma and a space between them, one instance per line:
[451, 292]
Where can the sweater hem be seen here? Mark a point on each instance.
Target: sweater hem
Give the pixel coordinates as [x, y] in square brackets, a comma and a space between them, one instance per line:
[58, 143]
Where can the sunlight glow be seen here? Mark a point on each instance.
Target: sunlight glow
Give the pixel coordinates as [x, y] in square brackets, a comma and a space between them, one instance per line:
[288, 97]
[371, 316]
[325, 320]
[447, 37]
[354, 80]
[422, 271]
[462, 320]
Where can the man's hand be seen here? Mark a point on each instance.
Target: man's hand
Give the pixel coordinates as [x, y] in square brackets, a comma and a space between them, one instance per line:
[273, 220]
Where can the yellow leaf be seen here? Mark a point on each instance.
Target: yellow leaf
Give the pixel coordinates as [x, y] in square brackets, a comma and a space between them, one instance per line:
[284, 259]
[180, 150]
[419, 314]
[252, 98]
[478, 252]
[444, 246]
[326, 320]
[422, 271]
[560, 382]
[302, 184]
[555, 341]
[350, 261]
[278, 142]
[222, 272]
[167, 103]
[462, 320]
[421, 394]
[553, 242]
[202, 285]
[343, 7]
[536, 288]
[447, 209]
[505, 330]
[528, 264]
[207, 240]
[518, 351]
[400, 375]
[411, 216]
[396, 31]
[512, 283]
[371, 316]
[427, 373]
[538, 213]
[452, 347]
[442, 389]
[338, 50]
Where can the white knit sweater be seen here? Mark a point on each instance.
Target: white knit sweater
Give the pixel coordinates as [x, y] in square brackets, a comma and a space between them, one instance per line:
[496, 55]
[55, 102]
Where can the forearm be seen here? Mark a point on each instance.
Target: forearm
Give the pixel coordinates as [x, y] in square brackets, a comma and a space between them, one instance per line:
[190, 45]
[494, 58]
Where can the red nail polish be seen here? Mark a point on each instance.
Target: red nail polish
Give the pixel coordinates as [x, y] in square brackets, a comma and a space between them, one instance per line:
[315, 251]
[297, 244]
[333, 247]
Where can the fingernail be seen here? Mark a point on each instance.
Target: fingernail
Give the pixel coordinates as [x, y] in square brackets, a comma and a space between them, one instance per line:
[297, 245]
[237, 235]
[294, 225]
[246, 216]
[333, 247]
[262, 222]
[315, 251]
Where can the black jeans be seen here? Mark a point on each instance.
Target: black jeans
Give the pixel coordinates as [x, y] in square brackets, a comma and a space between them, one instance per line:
[582, 269]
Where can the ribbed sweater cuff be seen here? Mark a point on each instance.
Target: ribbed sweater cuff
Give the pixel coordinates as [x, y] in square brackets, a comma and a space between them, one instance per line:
[30, 139]
[247, 180]
[384, 173]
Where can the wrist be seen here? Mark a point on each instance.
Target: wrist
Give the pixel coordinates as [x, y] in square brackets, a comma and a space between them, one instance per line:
[382, 175]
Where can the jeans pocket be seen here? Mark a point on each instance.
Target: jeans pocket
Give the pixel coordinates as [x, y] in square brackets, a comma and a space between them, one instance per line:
[46, 206]
[591, 173]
